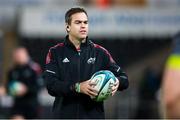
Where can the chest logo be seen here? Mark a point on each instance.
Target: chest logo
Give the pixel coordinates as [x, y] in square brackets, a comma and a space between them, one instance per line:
[66, 60]
[91, 60]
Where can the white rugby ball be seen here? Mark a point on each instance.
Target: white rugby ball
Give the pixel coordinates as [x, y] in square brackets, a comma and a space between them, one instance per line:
[103, 80]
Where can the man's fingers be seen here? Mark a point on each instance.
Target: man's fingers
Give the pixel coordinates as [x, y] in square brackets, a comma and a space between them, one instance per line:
[112, 94]
[91, 93]
[92, 83]
[114, 89]
[117, 82]
[93, 89]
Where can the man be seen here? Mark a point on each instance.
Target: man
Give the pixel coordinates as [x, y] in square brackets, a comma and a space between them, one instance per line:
[22, 85]
[71, 64]
[171, 81]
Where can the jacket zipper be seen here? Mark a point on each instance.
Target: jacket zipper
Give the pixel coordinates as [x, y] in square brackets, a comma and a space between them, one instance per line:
[79, 58]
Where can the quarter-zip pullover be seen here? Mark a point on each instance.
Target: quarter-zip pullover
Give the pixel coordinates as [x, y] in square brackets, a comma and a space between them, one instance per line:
[65, 66]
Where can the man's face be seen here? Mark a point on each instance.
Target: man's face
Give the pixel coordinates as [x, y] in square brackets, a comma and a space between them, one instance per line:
[20, 56]
[78, 28]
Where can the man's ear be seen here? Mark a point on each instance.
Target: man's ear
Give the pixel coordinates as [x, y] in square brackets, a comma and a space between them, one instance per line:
[67, 27]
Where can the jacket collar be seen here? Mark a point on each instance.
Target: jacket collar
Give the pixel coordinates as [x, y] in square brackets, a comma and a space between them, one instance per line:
[69, 43]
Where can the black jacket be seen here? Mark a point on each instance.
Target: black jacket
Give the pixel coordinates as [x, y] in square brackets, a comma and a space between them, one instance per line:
[65, 65]
[26, 75]
[27, 104]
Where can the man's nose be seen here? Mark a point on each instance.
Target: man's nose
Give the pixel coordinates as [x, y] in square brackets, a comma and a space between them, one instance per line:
[83, 25]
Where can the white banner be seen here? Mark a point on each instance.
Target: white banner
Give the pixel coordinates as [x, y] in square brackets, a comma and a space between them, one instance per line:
[43, 22]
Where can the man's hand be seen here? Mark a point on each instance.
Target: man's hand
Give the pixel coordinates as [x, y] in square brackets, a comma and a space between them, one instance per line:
[114, 87]
[22, 90]
[2, 91]
[87, 88]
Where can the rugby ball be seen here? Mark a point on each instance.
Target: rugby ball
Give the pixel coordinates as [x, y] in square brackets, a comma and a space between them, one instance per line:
[103, 80]
[14, 87]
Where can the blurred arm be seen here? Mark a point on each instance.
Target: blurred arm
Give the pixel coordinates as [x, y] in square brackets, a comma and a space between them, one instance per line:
[171, 88]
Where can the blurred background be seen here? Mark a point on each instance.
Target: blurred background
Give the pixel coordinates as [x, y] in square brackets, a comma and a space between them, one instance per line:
[138, 34]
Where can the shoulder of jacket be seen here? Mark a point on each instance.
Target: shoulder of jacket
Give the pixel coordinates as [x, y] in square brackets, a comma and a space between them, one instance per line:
[99, 47]
[59, 45]
[104, 51]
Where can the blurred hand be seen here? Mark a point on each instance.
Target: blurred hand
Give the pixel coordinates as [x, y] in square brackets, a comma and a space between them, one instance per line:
[2, 91]
[22, 90]
[87, 88]
[114, 87]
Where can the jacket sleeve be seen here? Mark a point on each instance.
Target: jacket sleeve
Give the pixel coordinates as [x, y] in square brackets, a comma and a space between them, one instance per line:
[32, 84]
[55, 85]
[9, 78]
[118, 72]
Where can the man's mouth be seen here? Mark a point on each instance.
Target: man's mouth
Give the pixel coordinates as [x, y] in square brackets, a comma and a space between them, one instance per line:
[83, 31]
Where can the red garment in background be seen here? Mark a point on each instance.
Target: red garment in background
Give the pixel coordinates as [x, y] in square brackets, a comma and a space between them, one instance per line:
[103, 3]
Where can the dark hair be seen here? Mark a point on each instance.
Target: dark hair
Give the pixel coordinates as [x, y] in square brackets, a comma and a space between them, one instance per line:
[72, 11]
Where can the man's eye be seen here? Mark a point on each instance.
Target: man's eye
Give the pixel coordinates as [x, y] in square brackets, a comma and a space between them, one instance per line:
[78, 22]
[86, 22]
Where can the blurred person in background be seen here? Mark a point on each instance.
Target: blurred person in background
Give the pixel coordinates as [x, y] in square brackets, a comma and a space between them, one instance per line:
[149, 85]
[171, 81]
[70, 65]
[22, 85]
